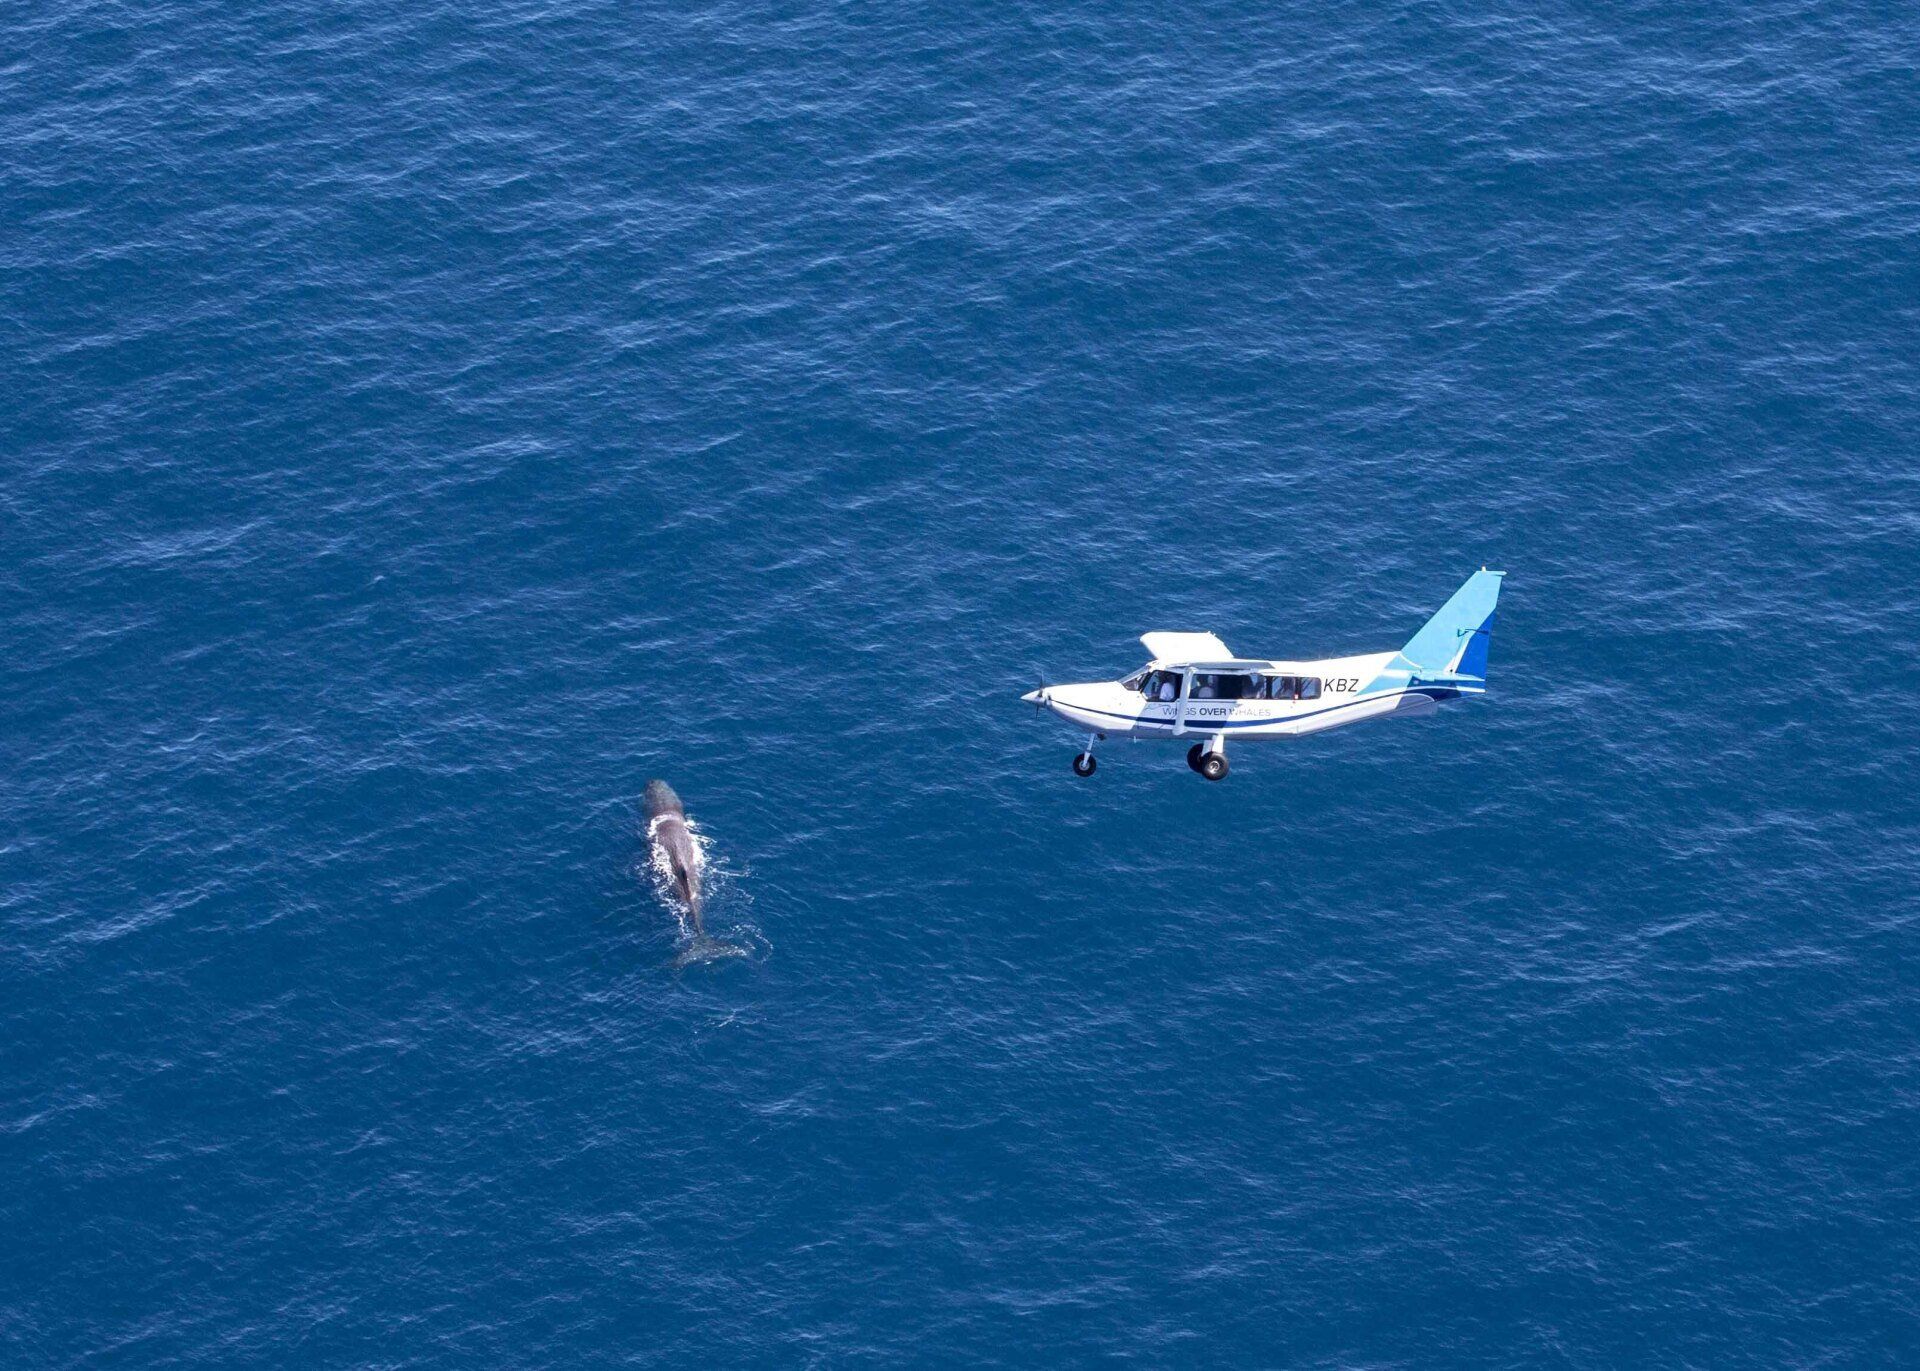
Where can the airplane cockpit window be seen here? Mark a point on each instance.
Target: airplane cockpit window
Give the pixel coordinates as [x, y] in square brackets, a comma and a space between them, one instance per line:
[1135, 681]
[1163, 686]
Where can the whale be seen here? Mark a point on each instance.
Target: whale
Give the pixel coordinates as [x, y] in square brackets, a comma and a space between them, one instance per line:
[677, 857]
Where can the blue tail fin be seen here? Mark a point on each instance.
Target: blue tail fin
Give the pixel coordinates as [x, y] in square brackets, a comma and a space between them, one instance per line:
[1454, 642]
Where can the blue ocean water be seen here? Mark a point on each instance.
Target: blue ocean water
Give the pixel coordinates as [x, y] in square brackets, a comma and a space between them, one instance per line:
[426, 423]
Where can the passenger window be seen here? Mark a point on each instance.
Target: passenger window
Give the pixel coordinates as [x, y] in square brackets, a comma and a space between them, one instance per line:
[1310, 687]
[1205, 687]
[1280, 687]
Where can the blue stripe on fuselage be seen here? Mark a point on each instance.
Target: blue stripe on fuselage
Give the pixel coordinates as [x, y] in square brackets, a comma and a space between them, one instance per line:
[1219, 725]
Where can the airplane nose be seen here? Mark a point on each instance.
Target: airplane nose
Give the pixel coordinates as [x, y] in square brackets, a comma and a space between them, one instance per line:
[1034, 697]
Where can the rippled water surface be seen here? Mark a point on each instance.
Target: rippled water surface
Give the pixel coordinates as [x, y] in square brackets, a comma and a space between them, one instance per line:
[423, 424]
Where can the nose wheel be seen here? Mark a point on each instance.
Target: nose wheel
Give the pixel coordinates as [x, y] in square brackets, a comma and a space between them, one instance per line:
[1084, 765]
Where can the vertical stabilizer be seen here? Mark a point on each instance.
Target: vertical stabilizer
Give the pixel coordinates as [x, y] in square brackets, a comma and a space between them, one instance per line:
[1454, 641]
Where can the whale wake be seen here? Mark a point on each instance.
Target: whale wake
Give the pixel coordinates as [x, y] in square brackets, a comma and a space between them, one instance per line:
[716, 885]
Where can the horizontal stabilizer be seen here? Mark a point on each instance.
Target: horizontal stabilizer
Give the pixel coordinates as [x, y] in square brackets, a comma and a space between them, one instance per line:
[1185, 647]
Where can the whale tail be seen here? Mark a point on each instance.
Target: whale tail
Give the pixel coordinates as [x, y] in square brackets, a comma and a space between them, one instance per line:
[705, 949]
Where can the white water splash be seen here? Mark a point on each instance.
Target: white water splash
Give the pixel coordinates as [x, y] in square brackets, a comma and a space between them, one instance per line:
[724, 899]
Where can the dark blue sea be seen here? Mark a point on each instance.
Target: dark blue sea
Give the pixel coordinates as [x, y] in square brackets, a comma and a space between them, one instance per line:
[421, 425]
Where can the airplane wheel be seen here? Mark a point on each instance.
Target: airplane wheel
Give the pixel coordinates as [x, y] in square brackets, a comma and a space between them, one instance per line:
[1084, 764]
[1213, 766]
[1193, 756]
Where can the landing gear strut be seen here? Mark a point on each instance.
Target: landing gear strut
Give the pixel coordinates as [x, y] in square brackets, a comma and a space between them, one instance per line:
[1083, 765]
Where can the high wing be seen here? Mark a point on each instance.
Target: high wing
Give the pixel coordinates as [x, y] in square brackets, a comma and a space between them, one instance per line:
[1186, 647]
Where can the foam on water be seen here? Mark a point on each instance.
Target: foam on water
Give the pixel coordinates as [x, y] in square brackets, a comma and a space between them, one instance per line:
[723, 897]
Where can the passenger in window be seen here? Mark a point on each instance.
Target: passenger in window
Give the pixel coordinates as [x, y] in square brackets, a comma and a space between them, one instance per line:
[1202, 688]
[1168, 688]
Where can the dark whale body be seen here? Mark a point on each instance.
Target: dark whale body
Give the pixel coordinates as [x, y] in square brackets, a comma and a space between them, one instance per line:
[675, 851]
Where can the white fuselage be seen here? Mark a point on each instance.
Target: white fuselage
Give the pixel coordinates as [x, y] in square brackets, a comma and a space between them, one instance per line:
[1197, 687]
[1346, 691]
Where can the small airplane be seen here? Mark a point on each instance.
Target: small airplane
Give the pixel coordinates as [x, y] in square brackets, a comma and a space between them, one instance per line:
[1195, 686]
